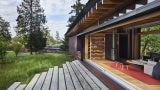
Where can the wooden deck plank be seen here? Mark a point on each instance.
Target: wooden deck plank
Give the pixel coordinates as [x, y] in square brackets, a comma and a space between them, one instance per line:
[54, 83]
[40, 81]
[32, 82]
[74, 78]
[88, 79]
[69, 83]
[47, 82]
[21, 87]
[85, 85]
[94, 78]
[14, 86]
[62, 84]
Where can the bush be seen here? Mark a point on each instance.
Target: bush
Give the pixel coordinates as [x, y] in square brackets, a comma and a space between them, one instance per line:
[16, 46]
[3, 50]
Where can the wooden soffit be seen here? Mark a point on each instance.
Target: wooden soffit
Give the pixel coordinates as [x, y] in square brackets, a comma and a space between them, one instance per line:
[95, 13]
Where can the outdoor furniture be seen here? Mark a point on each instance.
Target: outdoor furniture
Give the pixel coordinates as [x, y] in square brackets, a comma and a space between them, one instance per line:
[148, 68]
[156, 71]
[138, 63]
[122, 63]
[153, 56]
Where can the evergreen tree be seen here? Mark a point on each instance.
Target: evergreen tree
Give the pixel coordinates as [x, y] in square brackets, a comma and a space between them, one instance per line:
[76, 9]
[30, 23]
[5, 38]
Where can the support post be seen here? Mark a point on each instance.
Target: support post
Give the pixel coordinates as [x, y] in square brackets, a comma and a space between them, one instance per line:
[113, 50]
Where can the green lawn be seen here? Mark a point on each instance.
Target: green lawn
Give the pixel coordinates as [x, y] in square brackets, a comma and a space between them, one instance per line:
[23, 67]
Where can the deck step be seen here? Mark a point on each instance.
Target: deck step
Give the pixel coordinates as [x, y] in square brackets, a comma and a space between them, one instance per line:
[21, 87]
[93, 77]
[40, 81]
[46, 85]
[85, 84]
[62, 85]
[32, 82]
[54, 83]
[88, 79]
[14, 86]
[69, 83]
[72, 76]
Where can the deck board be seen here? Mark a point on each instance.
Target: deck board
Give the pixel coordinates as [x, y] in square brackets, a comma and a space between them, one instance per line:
[68, 79]
[88, 79]
[85, 85]
[62, 85]
[54, 83]
[32, 82]
[74, 77]
[94, 78]
[21, 87]
[40, 81]
[14, 86]
[46, 85]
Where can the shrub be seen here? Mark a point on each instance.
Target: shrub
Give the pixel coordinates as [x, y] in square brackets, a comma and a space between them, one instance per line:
[3, 50]
[16, 46]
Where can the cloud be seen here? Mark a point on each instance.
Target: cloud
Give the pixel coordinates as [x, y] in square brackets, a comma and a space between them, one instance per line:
[56, 12]
[57, 26]
[55, 9]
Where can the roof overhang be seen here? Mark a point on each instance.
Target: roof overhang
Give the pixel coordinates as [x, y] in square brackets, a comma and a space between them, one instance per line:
[96, 10]
[147, 13]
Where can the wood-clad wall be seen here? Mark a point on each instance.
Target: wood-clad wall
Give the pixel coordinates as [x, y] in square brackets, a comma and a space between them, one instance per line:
[96, 46]
[73, 46]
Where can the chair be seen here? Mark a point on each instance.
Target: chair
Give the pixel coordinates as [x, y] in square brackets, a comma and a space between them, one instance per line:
[122, 63]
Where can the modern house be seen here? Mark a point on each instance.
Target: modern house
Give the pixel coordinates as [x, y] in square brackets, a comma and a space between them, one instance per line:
[112, 30]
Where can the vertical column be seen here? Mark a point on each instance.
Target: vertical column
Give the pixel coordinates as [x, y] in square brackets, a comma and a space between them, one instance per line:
[90, 46]
[113, 50]
[137, 44]
[86, 46]
[82, 47]
[132, 43]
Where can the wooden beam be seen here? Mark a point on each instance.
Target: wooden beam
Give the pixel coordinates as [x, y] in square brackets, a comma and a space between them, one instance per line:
[113, 1]
[95, 11]
[106, 6]
[134, 21]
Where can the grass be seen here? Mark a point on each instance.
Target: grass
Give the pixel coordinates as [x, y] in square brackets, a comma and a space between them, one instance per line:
[24, 67]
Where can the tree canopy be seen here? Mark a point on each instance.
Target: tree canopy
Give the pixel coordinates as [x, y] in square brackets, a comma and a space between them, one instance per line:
[31, 24]
[151, 42]
[76, 9]
[5, 38]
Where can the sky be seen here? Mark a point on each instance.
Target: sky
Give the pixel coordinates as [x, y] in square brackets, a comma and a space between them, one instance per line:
[56, 11]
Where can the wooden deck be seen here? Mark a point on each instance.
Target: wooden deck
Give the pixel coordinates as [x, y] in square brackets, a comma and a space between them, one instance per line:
[124, 77]
[73, 76]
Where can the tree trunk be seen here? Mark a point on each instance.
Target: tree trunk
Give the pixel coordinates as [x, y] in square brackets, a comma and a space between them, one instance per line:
[144, 48]
[31, 28]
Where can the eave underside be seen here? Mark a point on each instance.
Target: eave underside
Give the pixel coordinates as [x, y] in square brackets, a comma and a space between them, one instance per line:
[144, 15]
[104, 10]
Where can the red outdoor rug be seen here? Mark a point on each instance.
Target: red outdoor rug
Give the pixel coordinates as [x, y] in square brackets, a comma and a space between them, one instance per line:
[136, 73]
